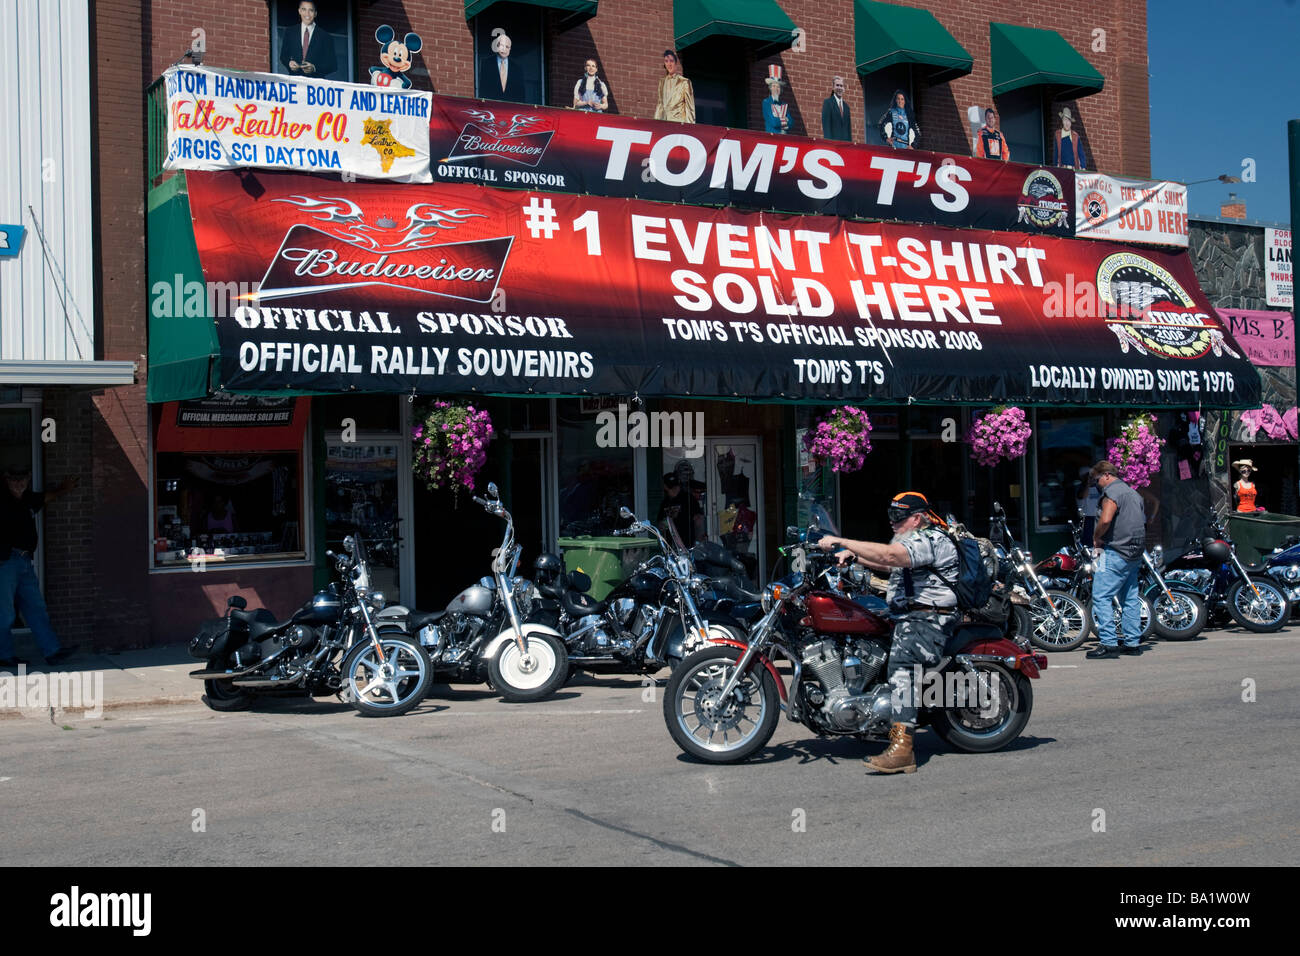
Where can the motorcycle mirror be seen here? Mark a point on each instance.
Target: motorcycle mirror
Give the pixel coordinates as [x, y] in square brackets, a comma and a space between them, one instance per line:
[237, 601]
[997, 508]
[349, 544]
[792, 532]
[492, 489]
[626, 513]
[331, 555]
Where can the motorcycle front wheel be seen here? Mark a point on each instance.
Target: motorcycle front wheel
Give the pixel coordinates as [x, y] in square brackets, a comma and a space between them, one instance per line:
[1178, 616]
[520, 679]
[390, 687]
[1144, 612]
[1058, 622]
[719, 731]
[997, 716]
[1263, 613]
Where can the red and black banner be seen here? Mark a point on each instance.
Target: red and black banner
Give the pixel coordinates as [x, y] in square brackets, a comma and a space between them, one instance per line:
[375, 287]
[533, 147]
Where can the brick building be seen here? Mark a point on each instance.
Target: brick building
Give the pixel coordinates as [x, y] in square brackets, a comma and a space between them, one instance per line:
[133, 41]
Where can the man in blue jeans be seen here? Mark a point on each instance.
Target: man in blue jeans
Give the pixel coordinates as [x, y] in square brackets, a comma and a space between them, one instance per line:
[1120, 533]
[19, 587]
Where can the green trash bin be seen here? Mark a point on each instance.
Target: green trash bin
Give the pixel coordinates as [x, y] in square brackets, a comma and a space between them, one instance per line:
[1256, 535]
[607, 561]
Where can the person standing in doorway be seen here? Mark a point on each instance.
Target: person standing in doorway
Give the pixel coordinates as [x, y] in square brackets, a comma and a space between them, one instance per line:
[1119, 537]
[19, 588]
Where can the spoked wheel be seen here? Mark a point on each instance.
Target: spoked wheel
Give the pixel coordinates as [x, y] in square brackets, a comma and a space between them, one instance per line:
[1178, 616]
[996, 716]
[536, 675]
[1059, 621]
[1145, 628]
[389, 687]
[709, 727]
[1259, 605]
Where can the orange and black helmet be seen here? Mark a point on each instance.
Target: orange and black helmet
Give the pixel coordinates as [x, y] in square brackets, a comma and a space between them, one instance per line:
[908, 503]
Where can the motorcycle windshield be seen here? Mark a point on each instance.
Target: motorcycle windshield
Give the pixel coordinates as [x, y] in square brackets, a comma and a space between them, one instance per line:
[820, 519]
[674, 538]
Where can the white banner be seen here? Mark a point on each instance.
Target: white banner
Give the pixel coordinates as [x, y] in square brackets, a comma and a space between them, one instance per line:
[1278, 281]
[1130, 210]
[222, 119]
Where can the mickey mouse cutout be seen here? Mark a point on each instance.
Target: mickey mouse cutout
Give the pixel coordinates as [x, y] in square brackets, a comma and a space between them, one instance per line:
[395, 55]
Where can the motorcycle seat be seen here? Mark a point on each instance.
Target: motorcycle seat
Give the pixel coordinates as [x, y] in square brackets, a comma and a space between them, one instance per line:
[419, 619]
[733, 589]
[580, 604]
[248, 618]
[966, 634]
[260, 629]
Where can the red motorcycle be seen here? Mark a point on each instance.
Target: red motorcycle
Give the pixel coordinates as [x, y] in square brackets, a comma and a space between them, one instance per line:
[722, 702]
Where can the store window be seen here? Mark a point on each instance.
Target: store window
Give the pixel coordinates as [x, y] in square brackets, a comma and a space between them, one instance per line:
[330, 42]
[525, 59]
[1067, 445]
[227, 482]
[594, 481]
[1020, 114]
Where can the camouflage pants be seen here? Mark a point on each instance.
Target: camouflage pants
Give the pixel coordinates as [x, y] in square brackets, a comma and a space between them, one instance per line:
[918, 639]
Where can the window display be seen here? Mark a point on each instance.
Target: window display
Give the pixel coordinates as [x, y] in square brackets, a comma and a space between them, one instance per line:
[227, 508]
[1067, 446]
[594, 482]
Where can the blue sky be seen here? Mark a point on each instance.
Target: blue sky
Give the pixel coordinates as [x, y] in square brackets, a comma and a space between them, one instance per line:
[1225, 78]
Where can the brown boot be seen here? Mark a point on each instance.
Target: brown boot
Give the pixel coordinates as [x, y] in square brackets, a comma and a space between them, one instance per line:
[898, 758]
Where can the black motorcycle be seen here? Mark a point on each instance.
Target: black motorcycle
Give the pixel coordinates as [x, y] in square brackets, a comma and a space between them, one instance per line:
[251, 654]
[1231, 590]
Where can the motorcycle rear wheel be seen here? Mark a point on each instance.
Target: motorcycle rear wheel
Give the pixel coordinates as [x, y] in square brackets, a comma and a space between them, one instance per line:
[1179, 619]
[390, 688]
[521, 682]
[1263, 614]
[1063, 633]
[978, 730]
[223, 695]
[746, 723]
[1147, 618]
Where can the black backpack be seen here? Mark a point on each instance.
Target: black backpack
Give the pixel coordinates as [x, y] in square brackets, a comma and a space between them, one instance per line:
[977, 564]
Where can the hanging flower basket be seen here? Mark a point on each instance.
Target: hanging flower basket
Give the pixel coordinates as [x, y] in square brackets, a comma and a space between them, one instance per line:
[842, 439]
[1136, 452]
[1001, 434]
[450, 445]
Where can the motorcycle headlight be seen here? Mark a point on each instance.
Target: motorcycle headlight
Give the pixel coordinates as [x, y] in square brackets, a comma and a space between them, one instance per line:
[376, 600]
[766, 601]
[1158, 556]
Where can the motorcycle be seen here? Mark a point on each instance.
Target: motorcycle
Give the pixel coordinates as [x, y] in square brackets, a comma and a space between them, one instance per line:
[1229, 589]
[251, 654]
[722, 702]
[484, 635]
[1283, 566]
[650, 620]
[1053, 619]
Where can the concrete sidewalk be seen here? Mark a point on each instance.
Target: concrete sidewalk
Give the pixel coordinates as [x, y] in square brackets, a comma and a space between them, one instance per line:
[119, 680]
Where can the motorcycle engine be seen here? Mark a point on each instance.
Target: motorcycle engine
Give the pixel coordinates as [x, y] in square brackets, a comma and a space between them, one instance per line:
[1198, 578]
[597, 641]
[459, 631]
[842, 678]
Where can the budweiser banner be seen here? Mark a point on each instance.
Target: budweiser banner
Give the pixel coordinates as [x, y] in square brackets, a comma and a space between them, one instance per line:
[463, 288]
[523, 147]
[1130, 210]
[221, 119]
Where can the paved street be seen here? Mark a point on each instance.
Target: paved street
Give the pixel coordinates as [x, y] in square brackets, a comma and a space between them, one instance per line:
[1186, 772]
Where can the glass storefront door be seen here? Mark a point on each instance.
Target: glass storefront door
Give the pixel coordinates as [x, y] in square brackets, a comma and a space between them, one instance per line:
[364, 488]
[722, 491]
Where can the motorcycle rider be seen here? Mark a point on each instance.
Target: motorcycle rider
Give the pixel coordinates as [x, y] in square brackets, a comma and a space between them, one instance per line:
[919, 558]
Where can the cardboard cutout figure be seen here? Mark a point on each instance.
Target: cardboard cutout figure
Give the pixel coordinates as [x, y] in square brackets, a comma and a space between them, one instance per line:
[676, 102]
[989, 141]
[306, 49]
[1067, 146]
[498, 79]
[395, 55]
[590, 92]
[837, 122]
[1243, 490]
[776, 117]
[897, 124]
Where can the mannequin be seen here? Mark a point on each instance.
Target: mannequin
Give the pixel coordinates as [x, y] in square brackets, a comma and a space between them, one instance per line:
[1243, 489]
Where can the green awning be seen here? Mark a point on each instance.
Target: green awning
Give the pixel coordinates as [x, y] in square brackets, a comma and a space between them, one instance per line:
[1024, 56]
[761, 21]
[572, 12]
[182, 337]
[886, 34]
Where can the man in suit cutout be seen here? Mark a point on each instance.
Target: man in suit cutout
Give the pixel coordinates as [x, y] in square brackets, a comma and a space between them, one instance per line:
[837, 123]
[307, 50]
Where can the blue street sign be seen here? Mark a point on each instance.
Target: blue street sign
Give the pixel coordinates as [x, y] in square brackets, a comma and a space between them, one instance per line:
[11, 240]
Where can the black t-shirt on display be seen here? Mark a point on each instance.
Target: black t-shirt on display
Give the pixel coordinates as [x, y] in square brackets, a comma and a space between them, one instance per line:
[18, 521]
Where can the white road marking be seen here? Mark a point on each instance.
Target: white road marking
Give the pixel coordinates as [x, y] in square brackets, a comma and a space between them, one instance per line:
[3, 779]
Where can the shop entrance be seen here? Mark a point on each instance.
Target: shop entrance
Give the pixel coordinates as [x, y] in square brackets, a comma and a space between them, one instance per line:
[726, 482]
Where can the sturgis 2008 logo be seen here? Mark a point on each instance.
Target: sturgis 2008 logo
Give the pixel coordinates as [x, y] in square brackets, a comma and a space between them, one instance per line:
[1042, 201]
[1151, 312]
